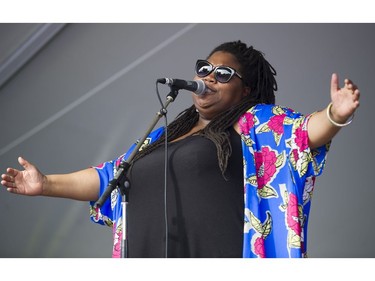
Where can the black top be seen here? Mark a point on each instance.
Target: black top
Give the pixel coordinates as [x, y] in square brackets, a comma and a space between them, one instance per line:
[204, 211]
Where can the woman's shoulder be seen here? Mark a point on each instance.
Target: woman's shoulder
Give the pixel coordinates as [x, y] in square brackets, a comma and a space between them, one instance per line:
[264, 113]
[271, 109]
[264, 106]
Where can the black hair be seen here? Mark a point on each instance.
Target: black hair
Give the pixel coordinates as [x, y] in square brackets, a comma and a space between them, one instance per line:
[257, 74]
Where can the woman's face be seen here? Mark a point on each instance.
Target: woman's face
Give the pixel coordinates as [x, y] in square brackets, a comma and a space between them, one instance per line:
[220, 96]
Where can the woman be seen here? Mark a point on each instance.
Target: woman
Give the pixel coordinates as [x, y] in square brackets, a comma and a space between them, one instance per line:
[241, 170]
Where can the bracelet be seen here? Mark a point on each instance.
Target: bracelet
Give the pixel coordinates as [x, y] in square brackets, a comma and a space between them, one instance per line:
[335, 123]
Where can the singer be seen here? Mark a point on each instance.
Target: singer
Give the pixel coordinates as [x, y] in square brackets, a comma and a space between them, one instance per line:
[241, 169]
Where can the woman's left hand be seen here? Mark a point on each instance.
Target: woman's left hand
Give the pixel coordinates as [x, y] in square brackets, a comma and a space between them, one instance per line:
[345, 100]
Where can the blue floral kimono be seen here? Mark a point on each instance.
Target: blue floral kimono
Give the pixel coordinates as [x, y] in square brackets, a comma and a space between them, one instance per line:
[279, 176]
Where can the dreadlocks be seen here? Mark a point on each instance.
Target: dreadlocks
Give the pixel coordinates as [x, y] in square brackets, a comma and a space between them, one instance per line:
[257, 74]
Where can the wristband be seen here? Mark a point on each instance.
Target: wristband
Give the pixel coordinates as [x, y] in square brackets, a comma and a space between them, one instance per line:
[335, 123]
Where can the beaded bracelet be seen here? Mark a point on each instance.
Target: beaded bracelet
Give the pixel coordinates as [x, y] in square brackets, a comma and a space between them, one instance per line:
[335, 123]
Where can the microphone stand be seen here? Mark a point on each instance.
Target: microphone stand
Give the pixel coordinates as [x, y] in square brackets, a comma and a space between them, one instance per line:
[120, 179]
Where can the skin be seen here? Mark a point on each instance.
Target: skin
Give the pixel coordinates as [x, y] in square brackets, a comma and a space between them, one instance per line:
[220, 96]
[30, 181]
[345, 102]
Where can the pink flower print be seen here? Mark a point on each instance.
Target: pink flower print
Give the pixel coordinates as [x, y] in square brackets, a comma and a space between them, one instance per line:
[259, 247]
[301, 139]
[97, 213]
[246, 122]
[293, 214]
[100, 166]
[117, 245]
[265, 163]
[295, 155]
[116, 251]
[118, 162]
[276, 123]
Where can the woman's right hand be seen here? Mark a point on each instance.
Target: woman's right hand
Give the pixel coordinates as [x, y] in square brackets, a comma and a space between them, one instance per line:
[27, 182]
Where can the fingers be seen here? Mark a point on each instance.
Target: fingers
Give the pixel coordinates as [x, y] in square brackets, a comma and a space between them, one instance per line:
[3, 180]
[8, 179]
[11, 173]
[349, 85]
[24, 163]
[334, 83]
[353, 89]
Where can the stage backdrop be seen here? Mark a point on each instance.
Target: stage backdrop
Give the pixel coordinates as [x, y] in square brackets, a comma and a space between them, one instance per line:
[89, 93]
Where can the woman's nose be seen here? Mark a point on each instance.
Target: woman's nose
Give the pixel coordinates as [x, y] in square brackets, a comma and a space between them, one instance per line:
[210, 78]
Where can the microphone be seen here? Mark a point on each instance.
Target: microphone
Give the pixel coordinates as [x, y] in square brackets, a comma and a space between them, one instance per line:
[197, 86]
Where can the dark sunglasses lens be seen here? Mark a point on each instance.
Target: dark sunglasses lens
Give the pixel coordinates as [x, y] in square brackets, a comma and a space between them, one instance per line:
[223, 74]
[203, 68]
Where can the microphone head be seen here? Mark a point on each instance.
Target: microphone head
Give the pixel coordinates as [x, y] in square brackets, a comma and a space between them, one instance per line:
[201, 87]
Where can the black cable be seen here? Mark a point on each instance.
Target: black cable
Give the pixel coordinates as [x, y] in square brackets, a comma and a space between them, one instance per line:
[164, 111]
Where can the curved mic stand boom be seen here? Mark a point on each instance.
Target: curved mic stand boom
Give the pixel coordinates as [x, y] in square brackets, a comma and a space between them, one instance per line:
[121, 181]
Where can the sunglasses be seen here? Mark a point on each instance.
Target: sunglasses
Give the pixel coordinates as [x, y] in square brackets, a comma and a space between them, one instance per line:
[223, 74]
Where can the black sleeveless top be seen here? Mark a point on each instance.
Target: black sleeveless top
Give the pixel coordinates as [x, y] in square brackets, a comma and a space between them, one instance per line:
[204, 211]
